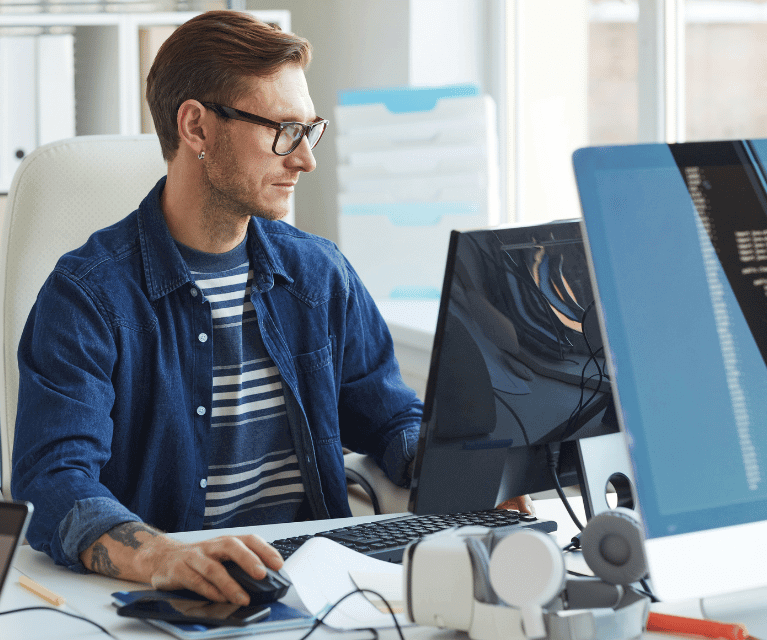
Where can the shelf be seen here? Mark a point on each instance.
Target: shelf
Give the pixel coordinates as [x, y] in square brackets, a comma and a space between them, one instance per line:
[106, 62]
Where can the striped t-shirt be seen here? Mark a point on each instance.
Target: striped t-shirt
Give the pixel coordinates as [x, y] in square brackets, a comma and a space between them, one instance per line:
[253, 474]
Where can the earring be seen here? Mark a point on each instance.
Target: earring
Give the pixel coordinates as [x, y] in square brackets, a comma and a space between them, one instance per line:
[201, 155]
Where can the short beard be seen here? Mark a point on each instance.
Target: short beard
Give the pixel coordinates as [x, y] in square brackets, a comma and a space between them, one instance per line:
[222, 213]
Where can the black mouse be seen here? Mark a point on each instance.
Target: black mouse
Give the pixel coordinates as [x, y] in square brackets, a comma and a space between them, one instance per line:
[270, 588]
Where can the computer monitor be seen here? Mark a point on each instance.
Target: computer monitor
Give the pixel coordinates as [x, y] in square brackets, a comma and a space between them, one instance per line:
[517, 370]
[678, 241]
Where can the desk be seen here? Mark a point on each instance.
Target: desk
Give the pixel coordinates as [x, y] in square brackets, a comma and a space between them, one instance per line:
[89, 595]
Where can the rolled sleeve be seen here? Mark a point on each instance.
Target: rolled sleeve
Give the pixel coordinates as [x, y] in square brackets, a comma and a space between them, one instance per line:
[398, 455]
[85, 523]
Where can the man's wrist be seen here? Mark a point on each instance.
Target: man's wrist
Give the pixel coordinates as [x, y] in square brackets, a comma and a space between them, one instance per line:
[129, 551]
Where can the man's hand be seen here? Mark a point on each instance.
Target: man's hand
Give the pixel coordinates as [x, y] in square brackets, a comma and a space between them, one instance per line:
[134, 551]
[520, 503]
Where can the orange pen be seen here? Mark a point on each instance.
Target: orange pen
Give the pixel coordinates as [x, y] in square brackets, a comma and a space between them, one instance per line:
[664, 623]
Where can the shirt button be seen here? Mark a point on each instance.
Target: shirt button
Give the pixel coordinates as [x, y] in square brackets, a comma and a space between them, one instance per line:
[193, 292]
[200, 411]
[203, 337]
[203, 483]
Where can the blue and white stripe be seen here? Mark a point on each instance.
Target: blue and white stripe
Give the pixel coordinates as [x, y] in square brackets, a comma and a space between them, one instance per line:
[253, 473]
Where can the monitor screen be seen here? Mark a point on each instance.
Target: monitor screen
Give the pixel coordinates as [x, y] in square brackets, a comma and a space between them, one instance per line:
[517, 365]
[678, 239]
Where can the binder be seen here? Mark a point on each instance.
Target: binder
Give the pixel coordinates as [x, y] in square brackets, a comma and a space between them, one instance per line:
[18, 103]
[56, 87]
[413, 164]
[37, 96]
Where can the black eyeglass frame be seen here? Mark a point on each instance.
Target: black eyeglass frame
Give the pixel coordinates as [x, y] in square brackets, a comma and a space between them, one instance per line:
[238, 114]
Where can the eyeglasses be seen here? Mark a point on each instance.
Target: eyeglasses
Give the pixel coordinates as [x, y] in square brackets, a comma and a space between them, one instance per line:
[289, 134]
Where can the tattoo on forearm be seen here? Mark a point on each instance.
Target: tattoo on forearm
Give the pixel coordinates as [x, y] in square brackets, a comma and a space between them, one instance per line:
[126, 533]
[102, 563]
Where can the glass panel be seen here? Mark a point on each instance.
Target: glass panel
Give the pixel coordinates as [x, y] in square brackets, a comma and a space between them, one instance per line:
[726, 63]
[613, 114]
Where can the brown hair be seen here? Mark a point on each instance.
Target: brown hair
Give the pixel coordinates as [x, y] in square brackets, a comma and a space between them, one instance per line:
[210, 58]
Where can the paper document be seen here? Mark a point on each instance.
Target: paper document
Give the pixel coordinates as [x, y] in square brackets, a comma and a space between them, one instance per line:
[384, 590]
[321, 571]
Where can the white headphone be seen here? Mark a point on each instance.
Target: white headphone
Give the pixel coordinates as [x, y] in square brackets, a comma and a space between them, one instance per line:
[537, 579]
[613, 546]
[478, 581]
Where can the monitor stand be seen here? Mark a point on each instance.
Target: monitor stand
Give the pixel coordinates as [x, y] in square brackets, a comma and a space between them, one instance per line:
[603, 461]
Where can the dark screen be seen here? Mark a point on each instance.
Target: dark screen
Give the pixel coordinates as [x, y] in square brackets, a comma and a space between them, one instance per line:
[13, 518]
[517, 365]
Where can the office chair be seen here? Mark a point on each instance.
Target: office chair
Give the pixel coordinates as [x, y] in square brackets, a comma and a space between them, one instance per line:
[369, 490]
[60, 194]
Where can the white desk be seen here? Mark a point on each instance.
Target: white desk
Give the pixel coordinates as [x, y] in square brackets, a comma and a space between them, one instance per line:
[89, 595]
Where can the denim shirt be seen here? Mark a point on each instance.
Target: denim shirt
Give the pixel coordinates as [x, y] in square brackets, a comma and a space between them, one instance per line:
[113, 420]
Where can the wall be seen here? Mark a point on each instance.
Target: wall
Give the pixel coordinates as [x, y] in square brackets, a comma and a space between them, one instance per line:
[377, 43]
[356, 44]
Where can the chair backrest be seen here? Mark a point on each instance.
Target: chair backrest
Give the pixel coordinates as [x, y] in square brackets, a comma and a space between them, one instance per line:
[60, 194]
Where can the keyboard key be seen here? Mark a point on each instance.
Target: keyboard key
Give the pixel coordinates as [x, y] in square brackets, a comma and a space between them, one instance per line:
[387, 539]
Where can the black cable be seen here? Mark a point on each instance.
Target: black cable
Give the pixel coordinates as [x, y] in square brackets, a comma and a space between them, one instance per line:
[578, 575]
[575, 543]
[581, 406]
[552, 459]
[341, 599]
[513, 413]
[66, 613]
[647, 591]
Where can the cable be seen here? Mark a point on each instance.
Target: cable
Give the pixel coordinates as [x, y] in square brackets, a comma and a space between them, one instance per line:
[552, 459]
[513, 413]
[647, 591]
[575, 543]
[341, 599]
[66, 613]
[578, 575]
[581, 406]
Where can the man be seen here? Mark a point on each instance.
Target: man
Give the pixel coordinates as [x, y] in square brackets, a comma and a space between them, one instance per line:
[200, 363]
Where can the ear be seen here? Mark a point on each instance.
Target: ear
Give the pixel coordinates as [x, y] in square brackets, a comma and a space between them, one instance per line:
[195, 125]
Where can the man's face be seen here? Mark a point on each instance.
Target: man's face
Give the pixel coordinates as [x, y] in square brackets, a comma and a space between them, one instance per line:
[244, 176]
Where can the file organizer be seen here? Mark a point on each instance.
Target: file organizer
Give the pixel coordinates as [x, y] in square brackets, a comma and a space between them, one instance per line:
[413, 164]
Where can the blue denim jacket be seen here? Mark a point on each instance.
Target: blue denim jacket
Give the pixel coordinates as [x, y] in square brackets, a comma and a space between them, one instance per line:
[115, 380]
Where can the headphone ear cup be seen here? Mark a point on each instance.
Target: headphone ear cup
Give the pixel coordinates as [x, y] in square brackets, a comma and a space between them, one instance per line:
[613, 546]
[527, 571]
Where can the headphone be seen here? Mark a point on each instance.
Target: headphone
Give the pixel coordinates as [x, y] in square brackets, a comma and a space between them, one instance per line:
[613, 546]
[525, 570]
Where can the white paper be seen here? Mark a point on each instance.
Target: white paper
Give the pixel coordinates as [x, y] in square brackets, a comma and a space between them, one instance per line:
[320, 571]
[386, 585]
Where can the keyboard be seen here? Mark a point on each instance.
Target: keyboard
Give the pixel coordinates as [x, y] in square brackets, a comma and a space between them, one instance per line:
[387, 539]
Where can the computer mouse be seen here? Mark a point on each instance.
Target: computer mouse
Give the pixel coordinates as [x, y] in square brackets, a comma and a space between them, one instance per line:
[270, 588]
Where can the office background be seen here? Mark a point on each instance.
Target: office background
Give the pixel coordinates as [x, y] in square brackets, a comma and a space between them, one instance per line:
[563, 73]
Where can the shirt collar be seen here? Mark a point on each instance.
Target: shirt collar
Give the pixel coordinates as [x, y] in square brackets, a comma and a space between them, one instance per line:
[164, 268]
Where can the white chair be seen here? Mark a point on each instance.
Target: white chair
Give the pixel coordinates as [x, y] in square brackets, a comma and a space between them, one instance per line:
[60, 194]
[369, 490]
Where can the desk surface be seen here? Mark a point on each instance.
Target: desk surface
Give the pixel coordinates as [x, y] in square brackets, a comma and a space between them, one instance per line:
[89, 595]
